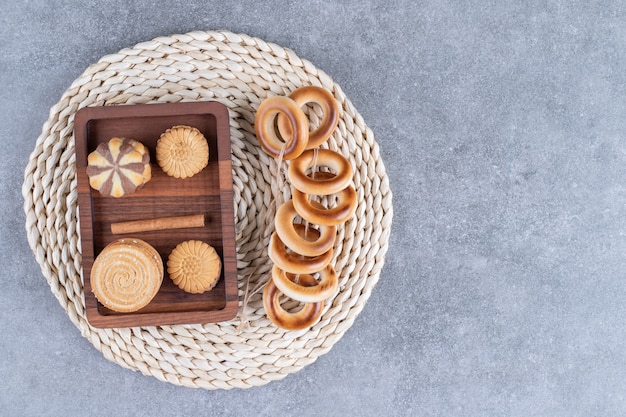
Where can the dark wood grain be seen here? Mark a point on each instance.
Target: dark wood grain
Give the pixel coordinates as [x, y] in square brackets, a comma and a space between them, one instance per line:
[209, 192]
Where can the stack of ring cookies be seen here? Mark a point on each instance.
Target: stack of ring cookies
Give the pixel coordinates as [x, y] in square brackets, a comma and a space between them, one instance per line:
[302, 253]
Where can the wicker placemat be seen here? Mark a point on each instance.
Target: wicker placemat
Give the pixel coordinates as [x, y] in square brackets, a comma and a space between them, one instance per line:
[238, 71]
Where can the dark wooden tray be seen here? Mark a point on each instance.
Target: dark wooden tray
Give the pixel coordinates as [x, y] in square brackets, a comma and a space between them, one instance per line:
[209, 192]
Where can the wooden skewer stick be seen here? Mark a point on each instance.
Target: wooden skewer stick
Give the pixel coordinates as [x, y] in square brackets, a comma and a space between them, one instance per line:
[162, 223]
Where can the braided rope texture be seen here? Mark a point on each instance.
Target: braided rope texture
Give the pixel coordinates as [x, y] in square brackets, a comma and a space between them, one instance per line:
[239, 71]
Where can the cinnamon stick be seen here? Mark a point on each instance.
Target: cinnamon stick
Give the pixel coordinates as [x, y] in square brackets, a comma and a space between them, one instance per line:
[162, 223]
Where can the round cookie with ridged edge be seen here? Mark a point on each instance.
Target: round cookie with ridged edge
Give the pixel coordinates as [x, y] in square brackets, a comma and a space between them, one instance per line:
[119, 167]
[194, 266]
[182, 151]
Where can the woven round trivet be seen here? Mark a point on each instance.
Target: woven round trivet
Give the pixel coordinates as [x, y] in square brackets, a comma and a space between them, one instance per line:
[240, 72]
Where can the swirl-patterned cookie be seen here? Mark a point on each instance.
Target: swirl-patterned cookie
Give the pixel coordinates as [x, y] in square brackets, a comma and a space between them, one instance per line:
[119, 167]
[182, 151]
[194, 266]
[126, 275]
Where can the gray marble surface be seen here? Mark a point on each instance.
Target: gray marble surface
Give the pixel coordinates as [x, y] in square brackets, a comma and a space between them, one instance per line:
[503, 129]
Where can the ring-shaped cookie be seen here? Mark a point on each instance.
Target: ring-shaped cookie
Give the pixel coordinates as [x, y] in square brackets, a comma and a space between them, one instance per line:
[311, 244]
[293, 262]
[266, 132]
[321, 184]
[330, 110]
[326, 286]
[345, 208]
[305, 317]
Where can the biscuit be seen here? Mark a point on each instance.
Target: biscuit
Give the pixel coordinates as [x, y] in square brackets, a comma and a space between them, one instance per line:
[182, 151]
[194, 266]
[119, 167]
[126, 275]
